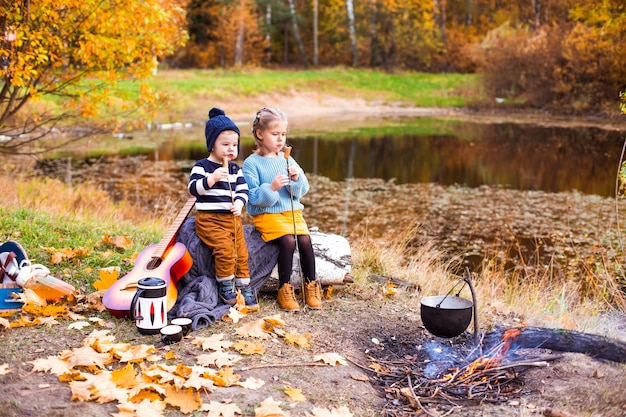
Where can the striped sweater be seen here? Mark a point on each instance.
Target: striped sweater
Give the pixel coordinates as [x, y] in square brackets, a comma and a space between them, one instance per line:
[218, 198]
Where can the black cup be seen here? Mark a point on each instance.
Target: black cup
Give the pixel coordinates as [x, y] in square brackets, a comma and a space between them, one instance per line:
[171, 334]
[183, 322]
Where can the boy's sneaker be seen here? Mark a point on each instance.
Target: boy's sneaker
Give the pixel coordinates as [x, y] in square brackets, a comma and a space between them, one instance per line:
[226, 290]
[248, 295]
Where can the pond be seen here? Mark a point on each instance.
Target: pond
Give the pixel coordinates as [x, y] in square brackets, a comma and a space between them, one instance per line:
[517, 156]
[572, 170]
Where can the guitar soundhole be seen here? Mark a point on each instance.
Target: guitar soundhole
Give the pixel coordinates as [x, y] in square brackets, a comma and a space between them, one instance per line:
[154, 263]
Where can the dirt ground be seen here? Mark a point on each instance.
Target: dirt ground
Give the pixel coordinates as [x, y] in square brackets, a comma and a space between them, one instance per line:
[367, 332]
[380, 337]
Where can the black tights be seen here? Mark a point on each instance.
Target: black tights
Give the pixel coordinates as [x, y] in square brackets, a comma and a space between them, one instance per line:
[286, 248]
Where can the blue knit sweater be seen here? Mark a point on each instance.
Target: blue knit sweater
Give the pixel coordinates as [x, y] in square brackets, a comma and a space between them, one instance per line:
[259, 172]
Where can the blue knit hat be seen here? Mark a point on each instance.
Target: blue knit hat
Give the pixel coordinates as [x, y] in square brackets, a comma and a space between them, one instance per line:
[217, 123]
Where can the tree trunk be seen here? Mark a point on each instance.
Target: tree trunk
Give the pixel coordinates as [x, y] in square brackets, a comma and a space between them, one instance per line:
[268, 39]
[375, 47]
[596, 346]
[296, 32]
[352, 28]
[240, 36]
[315, 33]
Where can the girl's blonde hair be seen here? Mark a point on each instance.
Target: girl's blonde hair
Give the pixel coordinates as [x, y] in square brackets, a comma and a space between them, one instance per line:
[264, 118]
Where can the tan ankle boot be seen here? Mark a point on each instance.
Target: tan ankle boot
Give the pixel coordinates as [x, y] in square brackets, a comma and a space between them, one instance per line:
[313, 295]
[287, 298]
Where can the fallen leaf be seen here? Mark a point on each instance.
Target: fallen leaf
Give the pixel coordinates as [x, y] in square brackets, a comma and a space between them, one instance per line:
[213, 342]
[79, 325]
[246, 347]
[219, 359]
[120, 242]
[331, 359]
[5, 323]
[251, 383]
[233, 315]
[186, 400]
[108, 276]
[125, 377]
[295, 394]
[252, 329]
[298, 339]
[269, 408]
[4, 369]
[217, 409]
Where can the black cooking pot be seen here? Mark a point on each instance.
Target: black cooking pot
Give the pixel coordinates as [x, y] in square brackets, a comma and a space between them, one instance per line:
[446, 316]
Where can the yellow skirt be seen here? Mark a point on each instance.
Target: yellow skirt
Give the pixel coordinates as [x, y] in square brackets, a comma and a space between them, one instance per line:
[275, 225]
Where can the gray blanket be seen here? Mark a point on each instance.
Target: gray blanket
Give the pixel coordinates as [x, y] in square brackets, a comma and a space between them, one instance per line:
[197, 290]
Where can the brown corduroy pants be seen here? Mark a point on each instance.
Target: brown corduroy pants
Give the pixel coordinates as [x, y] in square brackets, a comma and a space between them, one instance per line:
[217, 231]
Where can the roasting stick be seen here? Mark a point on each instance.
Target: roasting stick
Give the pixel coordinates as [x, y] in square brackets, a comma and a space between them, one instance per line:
[287, 152]
[232, 199]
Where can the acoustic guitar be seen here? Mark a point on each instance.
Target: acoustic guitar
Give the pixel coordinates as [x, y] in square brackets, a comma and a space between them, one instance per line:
[167, 260]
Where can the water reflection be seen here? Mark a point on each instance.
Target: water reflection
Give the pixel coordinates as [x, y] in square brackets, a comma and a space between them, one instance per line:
[517, 156]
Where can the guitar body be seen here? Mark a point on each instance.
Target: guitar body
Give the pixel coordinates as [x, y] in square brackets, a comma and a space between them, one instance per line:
[175, 262]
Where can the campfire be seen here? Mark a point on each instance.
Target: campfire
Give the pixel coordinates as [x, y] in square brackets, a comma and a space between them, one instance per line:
[448, 377]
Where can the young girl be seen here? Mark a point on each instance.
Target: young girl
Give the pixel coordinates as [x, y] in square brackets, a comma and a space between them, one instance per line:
[276, 185]
[221, 193]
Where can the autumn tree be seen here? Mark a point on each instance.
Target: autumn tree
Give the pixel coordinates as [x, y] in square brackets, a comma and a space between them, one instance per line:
[73, 52]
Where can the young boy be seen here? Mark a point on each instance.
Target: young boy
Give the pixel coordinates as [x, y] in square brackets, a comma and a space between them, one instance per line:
[221, 193]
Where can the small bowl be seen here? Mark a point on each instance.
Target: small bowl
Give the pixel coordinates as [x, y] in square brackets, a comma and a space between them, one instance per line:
[183, 322]
[171, 334]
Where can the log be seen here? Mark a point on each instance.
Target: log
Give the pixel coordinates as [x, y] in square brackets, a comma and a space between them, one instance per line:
[333, 262]
[595, 346]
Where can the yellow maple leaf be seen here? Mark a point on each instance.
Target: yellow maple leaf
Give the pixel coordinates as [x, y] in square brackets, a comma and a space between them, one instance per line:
[170, 355]
[252, 329]
[120, 242]
[214, 342]
[269, 408]
[251, 383]
[329, 292]
[225, 377]
[298, 339]
[218, 409]
[295, 394]
[246, 347]
[52, 364]
[187, 400]
[390, 289]
[51, 310]
[108, 276]
[218, 359]
[233, 315]
[86, 357]
[125, 377]
[331, 359]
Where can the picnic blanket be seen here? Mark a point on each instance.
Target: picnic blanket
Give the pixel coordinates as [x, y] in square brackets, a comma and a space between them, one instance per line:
[197, 290]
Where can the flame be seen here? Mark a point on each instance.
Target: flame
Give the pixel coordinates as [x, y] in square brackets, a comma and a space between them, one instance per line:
[483, 363]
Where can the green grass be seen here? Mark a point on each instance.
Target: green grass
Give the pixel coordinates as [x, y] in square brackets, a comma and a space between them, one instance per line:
[411, 88]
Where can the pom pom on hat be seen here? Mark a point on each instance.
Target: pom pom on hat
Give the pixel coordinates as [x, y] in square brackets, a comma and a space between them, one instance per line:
[217, 123]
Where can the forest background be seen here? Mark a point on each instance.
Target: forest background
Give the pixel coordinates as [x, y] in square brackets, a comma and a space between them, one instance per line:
[558, 56]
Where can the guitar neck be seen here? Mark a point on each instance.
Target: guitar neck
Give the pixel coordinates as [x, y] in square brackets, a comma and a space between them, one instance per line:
[168, 238]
